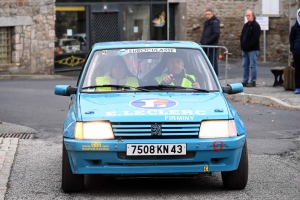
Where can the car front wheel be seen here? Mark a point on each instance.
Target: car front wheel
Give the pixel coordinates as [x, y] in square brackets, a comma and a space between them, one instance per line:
[237, 179]
[70, 182]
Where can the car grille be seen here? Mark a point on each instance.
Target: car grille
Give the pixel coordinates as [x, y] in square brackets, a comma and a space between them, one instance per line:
[143, 130]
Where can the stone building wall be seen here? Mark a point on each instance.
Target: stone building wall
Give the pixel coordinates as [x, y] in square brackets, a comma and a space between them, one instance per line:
[33, 30]
[231, 15]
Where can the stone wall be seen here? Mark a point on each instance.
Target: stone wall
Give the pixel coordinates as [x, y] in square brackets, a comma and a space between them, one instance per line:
[231, 15]
[33, 31]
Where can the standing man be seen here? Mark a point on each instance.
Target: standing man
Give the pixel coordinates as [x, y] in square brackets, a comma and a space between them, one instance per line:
[295, 49]
[210, 36]
[250, 46]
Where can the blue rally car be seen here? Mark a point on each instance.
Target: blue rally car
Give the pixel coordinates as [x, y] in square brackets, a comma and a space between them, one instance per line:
[151, 108]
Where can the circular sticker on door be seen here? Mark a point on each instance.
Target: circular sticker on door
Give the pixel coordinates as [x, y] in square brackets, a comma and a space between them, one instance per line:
[153, 103]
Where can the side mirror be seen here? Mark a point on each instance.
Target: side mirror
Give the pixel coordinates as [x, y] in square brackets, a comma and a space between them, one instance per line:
[233, 88]
[64, 90]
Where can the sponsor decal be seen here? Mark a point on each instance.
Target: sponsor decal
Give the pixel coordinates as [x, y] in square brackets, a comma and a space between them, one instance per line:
[104, 52]
[205, 168]
[122, 52]
[217, 145]
[152, 50]
[153, 103]
[168, 115]
[179, 118]
[95, 146]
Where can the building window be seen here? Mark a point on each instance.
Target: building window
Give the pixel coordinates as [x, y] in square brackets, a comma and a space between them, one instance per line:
[5, 45]
[70, 30]
[71, 45]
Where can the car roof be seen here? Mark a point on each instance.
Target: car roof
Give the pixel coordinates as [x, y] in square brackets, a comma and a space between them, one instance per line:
[146, 44]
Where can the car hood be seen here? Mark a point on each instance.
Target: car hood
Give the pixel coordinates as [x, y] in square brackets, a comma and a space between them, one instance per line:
[150, 107]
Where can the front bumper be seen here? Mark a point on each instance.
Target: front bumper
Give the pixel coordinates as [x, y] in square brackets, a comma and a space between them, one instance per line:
[109, 157]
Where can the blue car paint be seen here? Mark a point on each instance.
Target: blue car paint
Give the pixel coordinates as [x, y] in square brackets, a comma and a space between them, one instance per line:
[233, 114]
[87, 107]
[109, 163]
[118, 109]
[81, 161]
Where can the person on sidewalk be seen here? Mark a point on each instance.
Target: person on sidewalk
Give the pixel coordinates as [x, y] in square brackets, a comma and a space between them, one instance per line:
[210, 36]
[295, 49]
[249, 40]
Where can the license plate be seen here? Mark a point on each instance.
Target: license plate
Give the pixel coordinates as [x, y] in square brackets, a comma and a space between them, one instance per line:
[155, 149]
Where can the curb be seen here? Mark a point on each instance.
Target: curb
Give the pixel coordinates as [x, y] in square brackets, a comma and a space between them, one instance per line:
[8, 151]
[8, 128]
[262, 100]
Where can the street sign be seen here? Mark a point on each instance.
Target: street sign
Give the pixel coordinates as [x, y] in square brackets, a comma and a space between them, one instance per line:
[263, 22]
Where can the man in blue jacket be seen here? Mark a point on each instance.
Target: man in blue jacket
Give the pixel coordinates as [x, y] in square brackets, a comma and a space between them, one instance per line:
[210, 36]
[250, 47]
[295, 49]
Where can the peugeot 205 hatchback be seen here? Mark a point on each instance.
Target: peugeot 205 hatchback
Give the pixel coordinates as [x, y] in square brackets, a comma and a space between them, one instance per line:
[151, 108]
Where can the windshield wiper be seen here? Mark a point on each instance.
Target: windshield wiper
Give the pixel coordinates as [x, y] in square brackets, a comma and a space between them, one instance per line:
[162, 87]
[125, 87]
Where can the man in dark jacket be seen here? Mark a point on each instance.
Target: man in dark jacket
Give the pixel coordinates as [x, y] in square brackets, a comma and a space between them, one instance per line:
[295, 49]
[250, 47]
[210, 36]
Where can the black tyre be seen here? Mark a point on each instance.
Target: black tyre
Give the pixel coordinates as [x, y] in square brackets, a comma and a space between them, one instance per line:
[237, 179]
[70, 182]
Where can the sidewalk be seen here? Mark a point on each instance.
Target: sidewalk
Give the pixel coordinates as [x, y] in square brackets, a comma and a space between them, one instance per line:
[264, 93]
[8, 148]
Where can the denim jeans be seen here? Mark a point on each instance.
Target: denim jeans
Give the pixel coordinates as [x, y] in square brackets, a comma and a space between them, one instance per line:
[250, 64]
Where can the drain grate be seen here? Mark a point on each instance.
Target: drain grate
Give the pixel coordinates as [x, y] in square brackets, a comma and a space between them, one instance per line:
[17, 135]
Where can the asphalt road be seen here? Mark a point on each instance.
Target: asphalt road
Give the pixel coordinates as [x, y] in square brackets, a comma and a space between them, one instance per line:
[273, 143]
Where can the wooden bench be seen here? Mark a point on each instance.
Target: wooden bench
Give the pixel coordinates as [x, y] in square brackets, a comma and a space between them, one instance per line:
[278, 72]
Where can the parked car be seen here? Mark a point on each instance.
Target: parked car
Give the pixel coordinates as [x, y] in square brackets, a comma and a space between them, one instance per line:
[145, 124]
[67, 45]
[81, 37]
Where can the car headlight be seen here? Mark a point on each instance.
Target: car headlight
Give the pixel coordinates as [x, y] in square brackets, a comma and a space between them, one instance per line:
[217, 129]
[93, 131]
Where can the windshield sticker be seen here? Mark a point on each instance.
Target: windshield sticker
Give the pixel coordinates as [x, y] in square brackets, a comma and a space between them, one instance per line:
[122, 52]
[104, 52]
[153, 103]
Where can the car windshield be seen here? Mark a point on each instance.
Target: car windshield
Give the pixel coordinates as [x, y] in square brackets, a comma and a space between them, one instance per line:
[149, 69]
